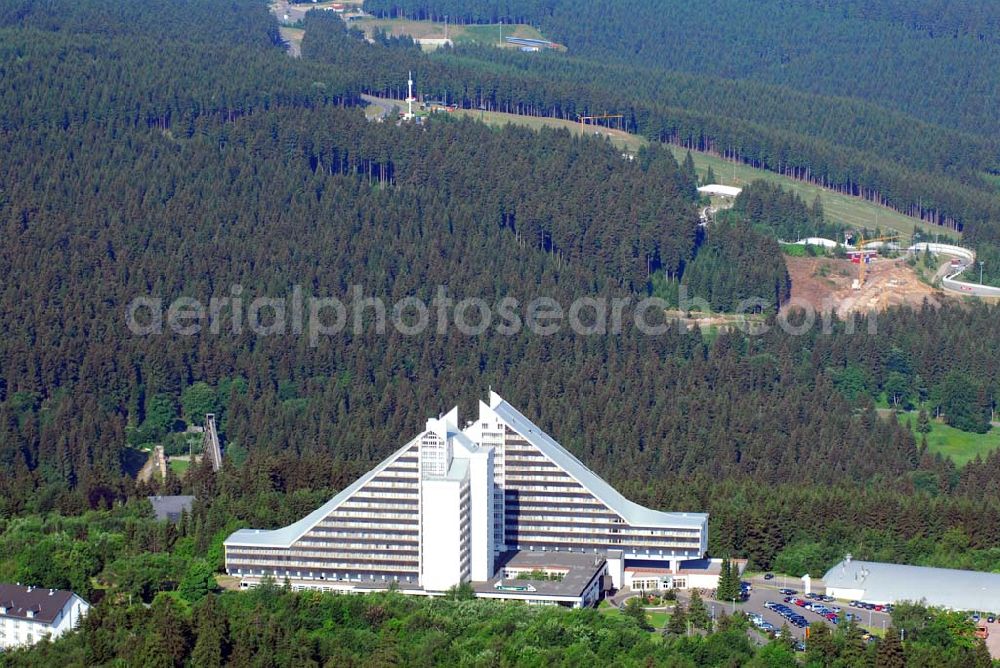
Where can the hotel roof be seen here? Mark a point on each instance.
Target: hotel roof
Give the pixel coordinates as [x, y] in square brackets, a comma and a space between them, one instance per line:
[631, 512]
[285, 536]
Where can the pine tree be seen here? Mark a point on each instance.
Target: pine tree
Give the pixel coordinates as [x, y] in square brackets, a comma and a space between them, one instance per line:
[678, 621]
[209, 648]
[729, 583]
[688, 167]
[635, 610]
[820, 648]
[697, 612]
[923, 422]
[816, 212]
[709, 175]
[197, 582]
[890, 652]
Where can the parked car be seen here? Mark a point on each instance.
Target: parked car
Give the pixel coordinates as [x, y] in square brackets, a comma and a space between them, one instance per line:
[788, 592]
[852, 617]
[991, 619]
[768, 576]
[855, 604]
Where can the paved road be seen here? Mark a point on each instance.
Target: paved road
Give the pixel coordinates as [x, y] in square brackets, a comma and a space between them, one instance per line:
[950, 282]
[386, 106]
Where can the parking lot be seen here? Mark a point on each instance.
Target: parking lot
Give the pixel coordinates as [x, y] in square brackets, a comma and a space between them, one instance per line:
[765, 591]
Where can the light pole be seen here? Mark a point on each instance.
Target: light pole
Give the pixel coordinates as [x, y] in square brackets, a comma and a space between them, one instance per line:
[980, 272]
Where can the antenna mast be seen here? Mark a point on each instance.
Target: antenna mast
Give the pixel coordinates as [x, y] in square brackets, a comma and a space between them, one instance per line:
[409, 96]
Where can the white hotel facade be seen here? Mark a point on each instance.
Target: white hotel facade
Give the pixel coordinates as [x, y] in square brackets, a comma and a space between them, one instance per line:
[492, 504]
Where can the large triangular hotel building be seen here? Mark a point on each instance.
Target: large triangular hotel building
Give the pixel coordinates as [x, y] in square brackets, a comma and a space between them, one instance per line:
[499, 504]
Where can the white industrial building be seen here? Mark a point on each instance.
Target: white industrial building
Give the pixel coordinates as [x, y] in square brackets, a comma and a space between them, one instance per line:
[497, 500]
[28, 614]
[881, 583]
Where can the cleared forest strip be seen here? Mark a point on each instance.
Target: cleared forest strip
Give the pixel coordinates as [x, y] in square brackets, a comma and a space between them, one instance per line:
[839, 208]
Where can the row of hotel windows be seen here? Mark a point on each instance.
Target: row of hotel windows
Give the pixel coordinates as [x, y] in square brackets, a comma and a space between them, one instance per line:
[628, 539]
[365, 536]
[516, 495]
[517, 538]
[330, 576]
[397, 513]
[569, 520]
[631, 553]
[287, 555]
[246, 564]
[336, 547]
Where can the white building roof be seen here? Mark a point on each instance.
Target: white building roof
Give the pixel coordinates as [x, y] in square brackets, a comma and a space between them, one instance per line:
[938, 587]
[818, 241]
[631, 512]
[719, 189]
[285, 536]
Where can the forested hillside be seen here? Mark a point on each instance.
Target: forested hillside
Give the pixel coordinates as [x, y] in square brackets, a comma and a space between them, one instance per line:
[176, 151]
[935, 59]
[191, 194]
[854, 147]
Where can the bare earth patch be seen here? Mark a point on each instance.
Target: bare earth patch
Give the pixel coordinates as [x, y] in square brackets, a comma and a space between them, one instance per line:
[825, 283]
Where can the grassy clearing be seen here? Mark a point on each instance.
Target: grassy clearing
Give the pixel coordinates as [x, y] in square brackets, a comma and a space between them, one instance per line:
[179, 466]
[459, 34]
[657, 618]
[843, 209]
[623, 140]
[292, 35]
[839, 208]
[961, 446]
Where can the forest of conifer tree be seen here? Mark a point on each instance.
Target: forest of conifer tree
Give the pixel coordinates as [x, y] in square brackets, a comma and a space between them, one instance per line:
[184, 153]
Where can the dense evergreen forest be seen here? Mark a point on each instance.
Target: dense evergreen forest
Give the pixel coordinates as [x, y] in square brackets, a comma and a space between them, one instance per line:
[781, 213]
[855, 147]
[935, 59]
[185, 155]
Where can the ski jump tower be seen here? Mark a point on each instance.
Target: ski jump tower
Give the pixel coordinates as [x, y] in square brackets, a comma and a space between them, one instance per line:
[211, 448]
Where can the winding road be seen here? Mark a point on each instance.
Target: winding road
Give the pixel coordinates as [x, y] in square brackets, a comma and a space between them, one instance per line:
[949, 280]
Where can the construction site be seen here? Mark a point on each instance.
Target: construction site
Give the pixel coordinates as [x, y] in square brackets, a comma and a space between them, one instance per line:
[833, 284]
